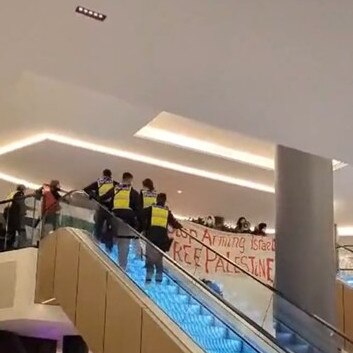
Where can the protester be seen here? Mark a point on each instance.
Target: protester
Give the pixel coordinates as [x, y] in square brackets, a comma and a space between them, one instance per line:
[156, 220]
[15, 215]
[260, 229]
[50, 206]
[99, 190]
[243, 226]
[2, 237]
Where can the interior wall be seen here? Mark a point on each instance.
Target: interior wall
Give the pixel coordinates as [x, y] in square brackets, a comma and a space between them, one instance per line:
[21, 314]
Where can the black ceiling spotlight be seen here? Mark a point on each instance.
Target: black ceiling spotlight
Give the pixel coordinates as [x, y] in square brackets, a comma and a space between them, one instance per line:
[90, 13]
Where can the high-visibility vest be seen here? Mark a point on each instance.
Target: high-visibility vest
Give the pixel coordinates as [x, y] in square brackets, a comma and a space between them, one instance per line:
[122, 198]
[104, 186]
[159, 217]
[149, 198]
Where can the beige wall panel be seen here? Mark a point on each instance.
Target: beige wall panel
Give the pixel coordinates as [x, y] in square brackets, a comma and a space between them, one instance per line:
[348, 311]
[66, 272]
[46, 269]
[91, 300]
[123, 320]
[7, 284]
[156, 340]
[339, 305]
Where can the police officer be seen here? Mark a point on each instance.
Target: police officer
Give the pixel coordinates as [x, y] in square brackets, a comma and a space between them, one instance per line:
[102, 190]
[148, 193]
[126, 205]
[156, 220]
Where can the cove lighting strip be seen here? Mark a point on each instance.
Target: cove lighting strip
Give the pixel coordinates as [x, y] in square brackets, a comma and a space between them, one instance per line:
[17, 181]
[191, 143]
[194, 144]
[134, 157]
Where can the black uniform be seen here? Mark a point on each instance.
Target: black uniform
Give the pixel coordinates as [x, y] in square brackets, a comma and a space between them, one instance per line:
[100, 190]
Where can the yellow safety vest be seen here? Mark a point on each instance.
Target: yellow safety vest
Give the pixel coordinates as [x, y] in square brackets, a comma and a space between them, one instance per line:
[104, 187]
[149, 198]
[159, 217]
[122, 198]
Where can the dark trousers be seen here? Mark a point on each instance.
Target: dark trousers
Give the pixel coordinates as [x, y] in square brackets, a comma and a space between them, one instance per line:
[50, 223]
[11, 237]
[102, 224]
[122, 234]
[154, 262]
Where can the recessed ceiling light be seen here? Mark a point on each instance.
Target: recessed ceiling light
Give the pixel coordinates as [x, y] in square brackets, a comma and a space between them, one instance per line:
[179, 191]
[90, 13]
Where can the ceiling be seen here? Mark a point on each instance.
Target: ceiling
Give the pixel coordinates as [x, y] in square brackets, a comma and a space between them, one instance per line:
[48, 160]
[279, 71]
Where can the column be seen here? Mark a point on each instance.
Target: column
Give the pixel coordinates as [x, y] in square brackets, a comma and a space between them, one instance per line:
[305, 249]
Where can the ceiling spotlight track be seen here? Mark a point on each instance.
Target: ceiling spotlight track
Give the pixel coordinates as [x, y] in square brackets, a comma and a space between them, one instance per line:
[90, 13]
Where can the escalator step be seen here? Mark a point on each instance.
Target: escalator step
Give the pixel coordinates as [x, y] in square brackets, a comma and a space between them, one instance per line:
[223, 345]
[202, 331]
[299, 348]
[195, 319]
[285, 337]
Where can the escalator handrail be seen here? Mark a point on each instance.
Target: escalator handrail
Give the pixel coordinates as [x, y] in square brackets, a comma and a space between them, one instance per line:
[345, 247]
[5, 201]
[235, 310]
[272, 289]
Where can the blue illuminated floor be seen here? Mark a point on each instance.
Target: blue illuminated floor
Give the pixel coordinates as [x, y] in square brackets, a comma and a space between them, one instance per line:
[212, 335]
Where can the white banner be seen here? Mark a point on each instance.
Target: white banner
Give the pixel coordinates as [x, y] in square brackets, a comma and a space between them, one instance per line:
[255, 254]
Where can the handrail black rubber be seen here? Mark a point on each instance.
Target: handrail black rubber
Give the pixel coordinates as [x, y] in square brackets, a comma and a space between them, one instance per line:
[199, 282]
[274, 290]
[2, 202]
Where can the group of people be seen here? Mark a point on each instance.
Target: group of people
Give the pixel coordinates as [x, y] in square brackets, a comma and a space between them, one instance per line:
[13, 232]
[145, 211]
[242, 226]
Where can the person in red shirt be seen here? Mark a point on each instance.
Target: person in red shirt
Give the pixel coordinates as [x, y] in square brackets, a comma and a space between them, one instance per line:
[50, 206]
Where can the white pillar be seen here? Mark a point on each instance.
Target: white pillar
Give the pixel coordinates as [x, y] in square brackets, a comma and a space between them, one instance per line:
[305, 249]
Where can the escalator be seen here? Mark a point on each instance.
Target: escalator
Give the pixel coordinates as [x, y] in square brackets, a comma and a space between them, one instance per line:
[216, 324]
[345, 266]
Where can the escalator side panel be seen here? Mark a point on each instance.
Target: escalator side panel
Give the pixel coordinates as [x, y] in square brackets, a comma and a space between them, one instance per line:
[119, 332]
[75, 259]
[66, 272]
[91, 299]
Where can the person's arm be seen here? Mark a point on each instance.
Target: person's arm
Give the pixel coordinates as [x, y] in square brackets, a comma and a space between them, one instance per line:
[173, 222]
[108, 196]
[135, 203]
[56, 194]
[141, 198]
[92, 188]
[146, 218]
[38, 193]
